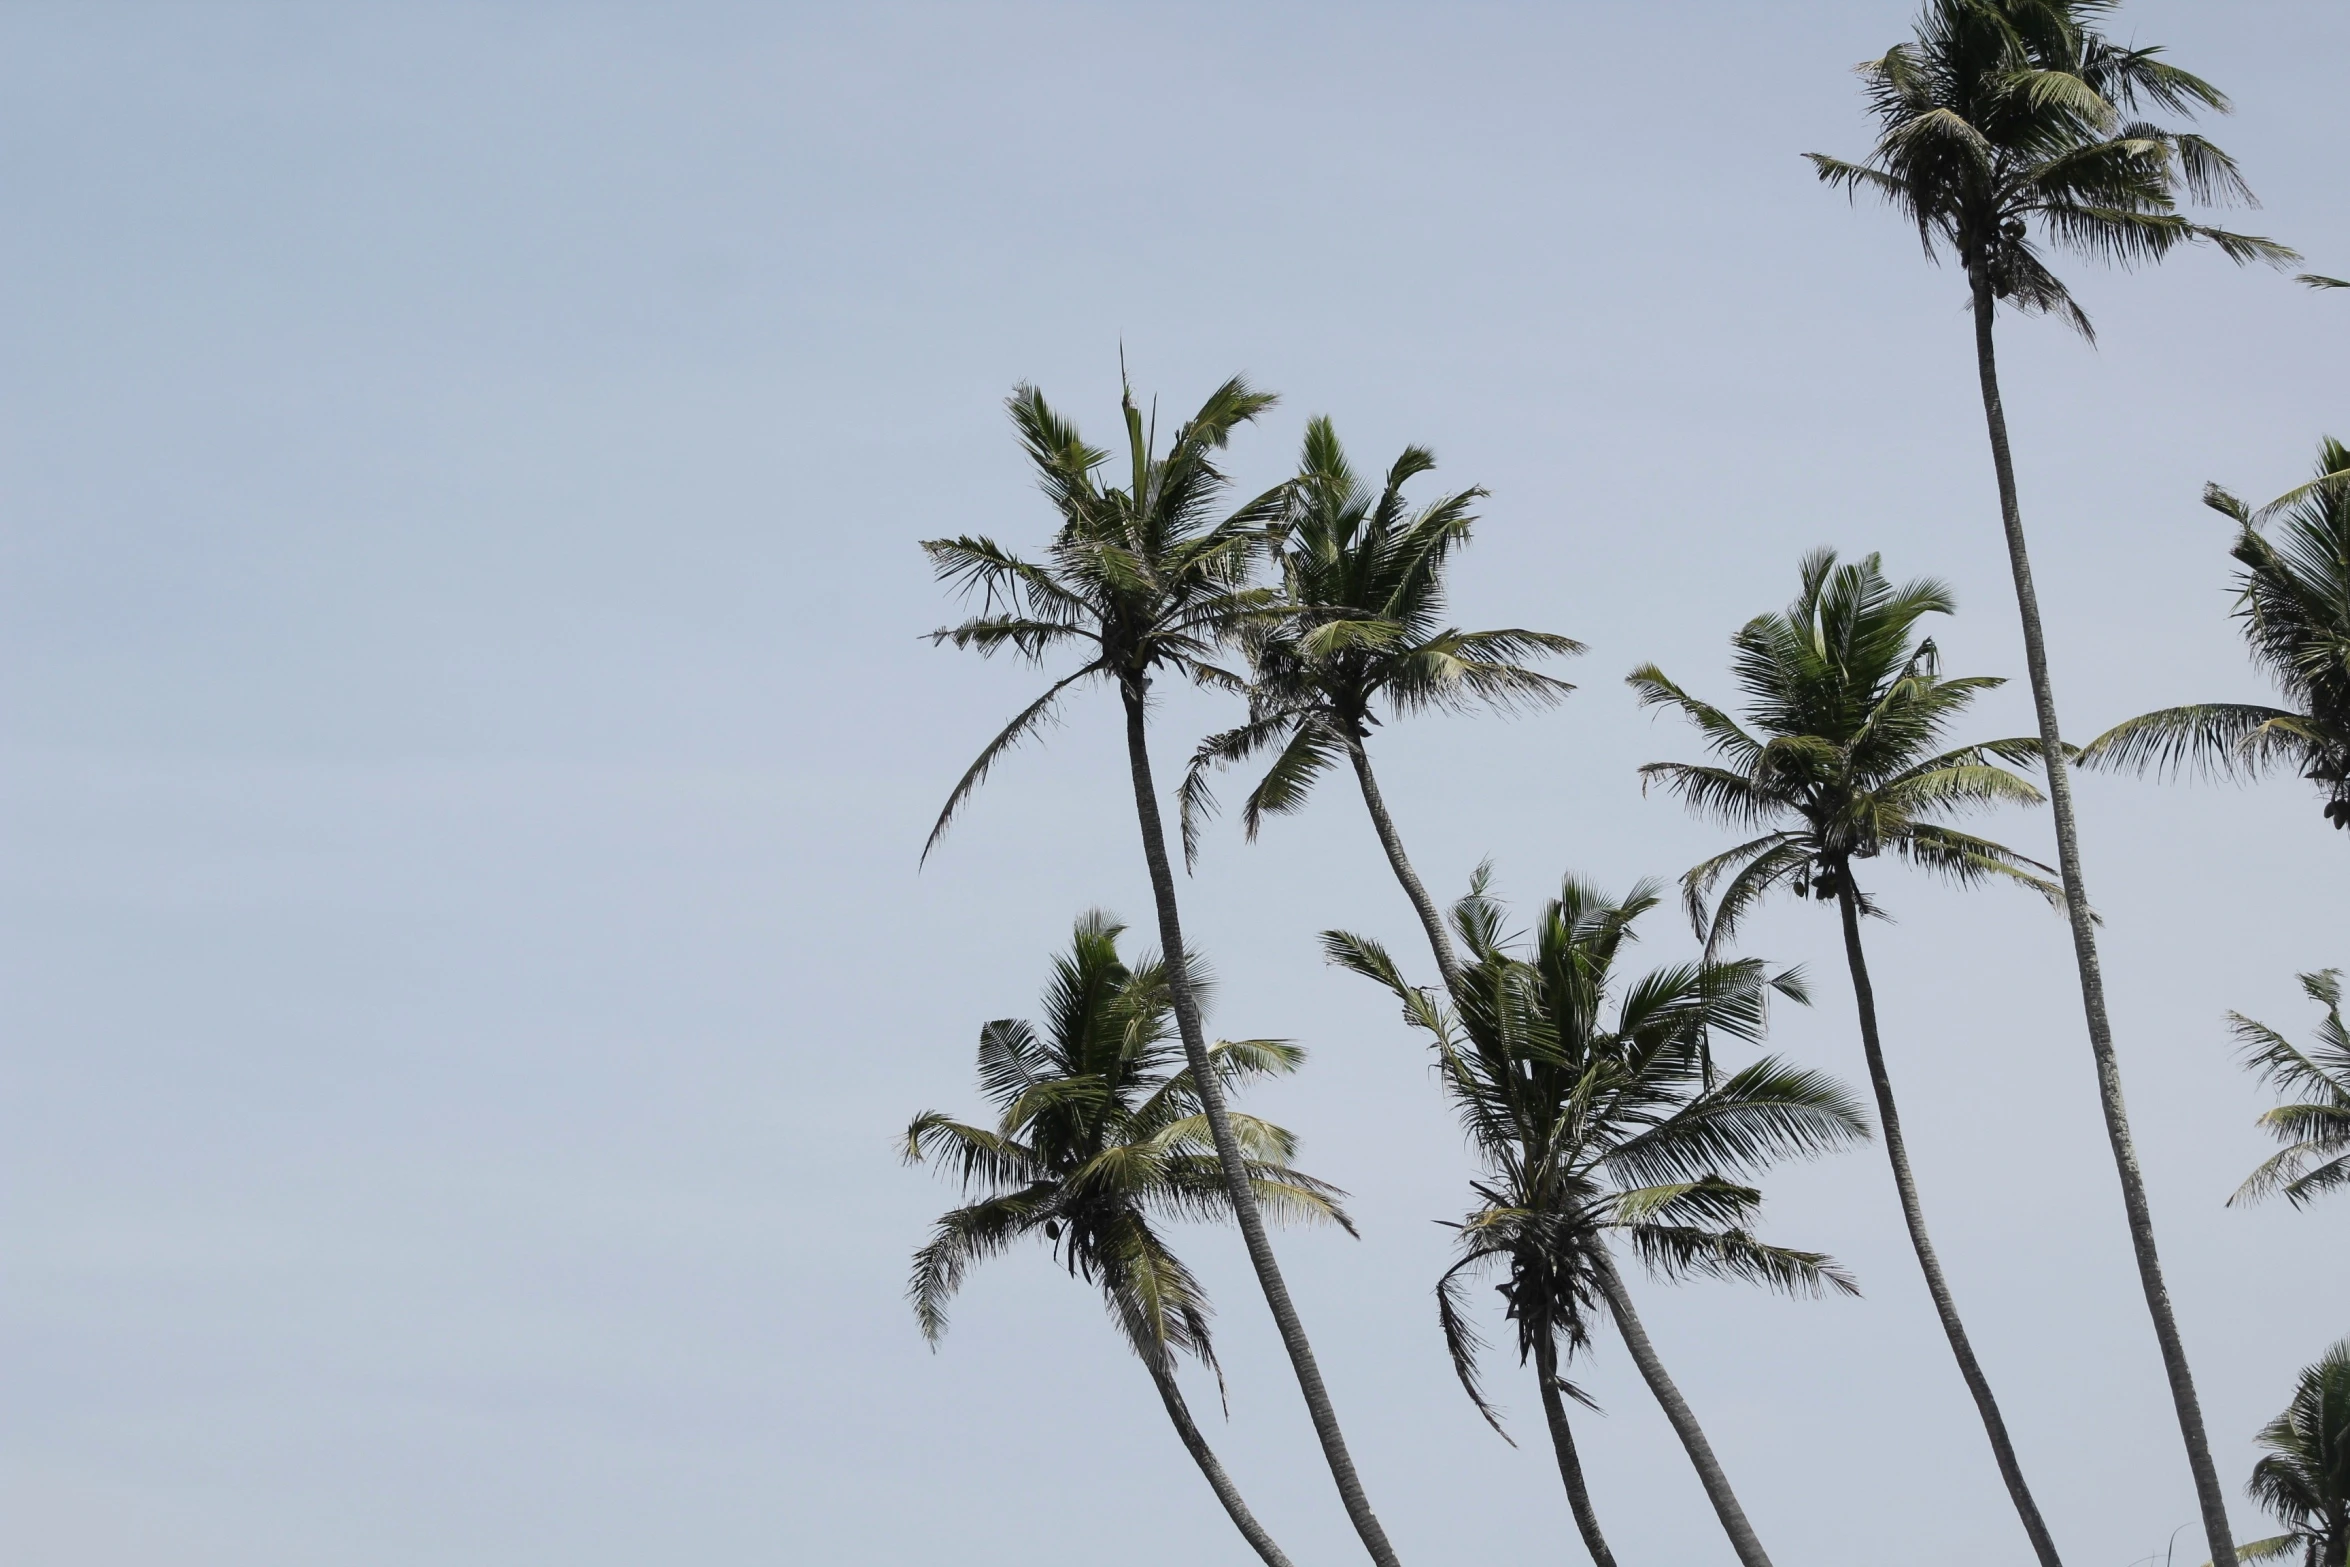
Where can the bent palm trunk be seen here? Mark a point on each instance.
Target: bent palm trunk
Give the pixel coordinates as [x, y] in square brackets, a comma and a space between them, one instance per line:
[1205, 1456]
[1438, 941]
[2212, 1500]
[1914, 1216]
[1133, 689]
[1562, 1442]
[1685, 1426]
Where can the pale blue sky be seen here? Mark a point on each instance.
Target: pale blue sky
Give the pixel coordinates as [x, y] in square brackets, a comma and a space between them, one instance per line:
[466, 747]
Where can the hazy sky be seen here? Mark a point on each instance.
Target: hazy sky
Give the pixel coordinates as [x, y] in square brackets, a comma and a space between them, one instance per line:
[467, 745]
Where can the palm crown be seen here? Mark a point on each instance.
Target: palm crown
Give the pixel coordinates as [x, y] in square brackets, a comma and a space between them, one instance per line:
[2293, 601]
[1100, 1135]
[2304, 1477]
[1136, 579]
[2316, 1130]
[1846, 712]
[2005, 116]
[1594, 1112]
[1363, 598]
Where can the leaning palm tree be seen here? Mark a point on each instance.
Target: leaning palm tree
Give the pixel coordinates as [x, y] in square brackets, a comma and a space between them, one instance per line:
[1141, 581]
[2316, 1131]
[1999, 118]
[1099, 1137]
[1841, 758]
[2304, 1477]
[2293, 600]
[1362, 581]
[1593, 1128]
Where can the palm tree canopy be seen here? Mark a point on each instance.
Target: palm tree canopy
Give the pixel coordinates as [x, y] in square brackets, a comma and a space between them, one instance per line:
[2005, 124]
[1839, 756]
[2293, 604]
[1136, 579]
[1099, 1138]
[1363, 593]
[1593, 1110]
[2303, 1478]
[2315, 1129]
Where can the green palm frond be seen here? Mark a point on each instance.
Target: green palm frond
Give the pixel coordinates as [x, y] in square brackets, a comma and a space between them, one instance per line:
[2303, 1476]
[2315, 1131]
[1140, 579]
[2001, 127]
[1588, 1100]
[1359, 628]
[1839, 749]
[2293, 609]
[1101, 1129]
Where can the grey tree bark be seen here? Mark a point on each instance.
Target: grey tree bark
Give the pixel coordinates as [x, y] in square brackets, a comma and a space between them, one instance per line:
[1439, 940]
[1133, 689]
[1203, 1455]
[1913, 1214]
[1676, 1408]
[2212, 1500]
[1562, 1442]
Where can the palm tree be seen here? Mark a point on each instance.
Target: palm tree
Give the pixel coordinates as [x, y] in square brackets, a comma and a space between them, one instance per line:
[1362, 579]
[1136, 581]
[2315, 1132]
[1999, 118]
[1099, 1134]
[1843, 762]
[2293, 600]
[2304, 1478]
[1591, 1128]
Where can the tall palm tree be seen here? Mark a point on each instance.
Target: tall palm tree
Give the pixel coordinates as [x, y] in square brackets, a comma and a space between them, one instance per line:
[1099, 1133]
[1841, 759]
[2304, 1477]
[2293, 600]
[2316, 1131]
[1137, 581]
[1362, 581]
[1999, 118]
[1591, 1128]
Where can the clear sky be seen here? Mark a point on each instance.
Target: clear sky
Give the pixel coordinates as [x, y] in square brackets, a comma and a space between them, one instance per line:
[467, 743]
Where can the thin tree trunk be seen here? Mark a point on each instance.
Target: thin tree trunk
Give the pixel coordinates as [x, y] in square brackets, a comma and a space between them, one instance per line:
[1205, 1456]
[2076, 904]
[1562, 1441]
[1913, 1214]
[1439, 940]
[1133, 690]
[1685, 1426]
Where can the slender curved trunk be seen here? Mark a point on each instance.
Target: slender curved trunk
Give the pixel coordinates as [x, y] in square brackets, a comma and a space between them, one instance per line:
[1218, 1481]
[1913, 1214]
[1685, 1426]
[1133, 689]
[2208, 1494]
[1562, 1442]
[1439, 940]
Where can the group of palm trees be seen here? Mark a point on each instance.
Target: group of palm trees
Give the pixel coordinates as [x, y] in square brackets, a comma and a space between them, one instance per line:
[1593, 1101]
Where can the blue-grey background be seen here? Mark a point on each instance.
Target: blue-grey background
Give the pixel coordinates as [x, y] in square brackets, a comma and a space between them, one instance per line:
[467, 744]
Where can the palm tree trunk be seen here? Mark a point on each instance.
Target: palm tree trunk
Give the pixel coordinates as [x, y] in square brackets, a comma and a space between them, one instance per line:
[1913, 1214]
[1562, 1442]
[2076, 904]
[1685, 1426]
[1439, 941]
[1133, 689]
[1205, 1456]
